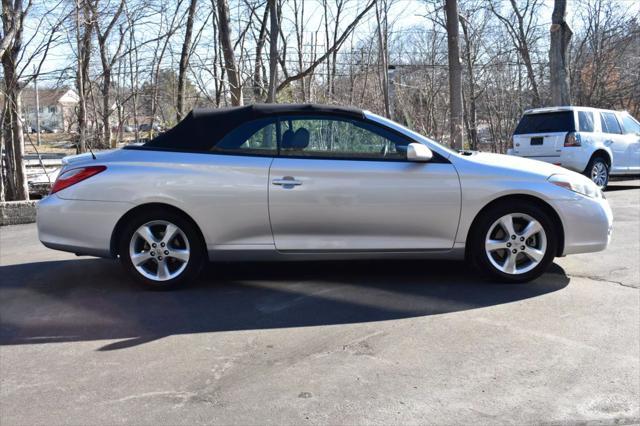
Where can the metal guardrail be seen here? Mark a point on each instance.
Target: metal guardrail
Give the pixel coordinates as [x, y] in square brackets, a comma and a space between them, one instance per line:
[40, 179]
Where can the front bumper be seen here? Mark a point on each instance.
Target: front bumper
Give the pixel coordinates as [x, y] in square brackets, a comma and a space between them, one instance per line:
[587, 222]
[78, 226]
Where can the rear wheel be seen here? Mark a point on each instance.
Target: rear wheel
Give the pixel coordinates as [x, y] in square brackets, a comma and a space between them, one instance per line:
[598, 171]
[514, 242]
[161, 249]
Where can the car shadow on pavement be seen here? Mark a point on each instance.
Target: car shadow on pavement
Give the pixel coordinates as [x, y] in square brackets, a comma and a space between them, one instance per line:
[612, 188]
[93, 299]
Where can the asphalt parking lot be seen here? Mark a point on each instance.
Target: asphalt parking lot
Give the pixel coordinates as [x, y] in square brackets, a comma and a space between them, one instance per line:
[322, 343]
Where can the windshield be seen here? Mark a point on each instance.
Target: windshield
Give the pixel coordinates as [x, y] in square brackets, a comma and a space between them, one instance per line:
[409, 132]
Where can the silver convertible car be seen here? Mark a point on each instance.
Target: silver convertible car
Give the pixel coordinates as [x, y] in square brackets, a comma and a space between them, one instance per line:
[311, 182]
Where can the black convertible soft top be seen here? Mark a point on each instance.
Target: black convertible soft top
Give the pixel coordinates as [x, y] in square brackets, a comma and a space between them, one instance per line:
[203, 128]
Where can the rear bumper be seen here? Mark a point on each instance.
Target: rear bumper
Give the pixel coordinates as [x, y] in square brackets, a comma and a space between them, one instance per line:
[82, 227]
[569, 158]
[588, 224]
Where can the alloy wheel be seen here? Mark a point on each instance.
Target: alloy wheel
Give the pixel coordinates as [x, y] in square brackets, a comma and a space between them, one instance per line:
[516, 243]
[599, 173]
[159, 250]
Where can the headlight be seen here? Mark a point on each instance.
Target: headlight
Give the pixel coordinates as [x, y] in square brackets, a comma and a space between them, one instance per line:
[579, 184]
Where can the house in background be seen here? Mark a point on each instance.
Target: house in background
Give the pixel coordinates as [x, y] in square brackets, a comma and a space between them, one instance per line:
[57, 107]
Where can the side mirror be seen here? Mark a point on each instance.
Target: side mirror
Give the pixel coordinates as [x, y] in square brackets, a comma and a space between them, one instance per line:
[419, 153]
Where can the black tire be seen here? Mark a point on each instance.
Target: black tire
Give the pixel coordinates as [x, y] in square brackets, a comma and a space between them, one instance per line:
[601, 163]
[197, 254]
[482, 226]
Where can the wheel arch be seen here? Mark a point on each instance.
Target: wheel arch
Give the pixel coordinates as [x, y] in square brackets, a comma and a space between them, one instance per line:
[115, 234]
[600, 152]
[559, 227]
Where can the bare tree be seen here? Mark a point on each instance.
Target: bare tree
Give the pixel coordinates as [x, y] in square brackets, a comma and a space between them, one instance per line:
[298, 12]
[558, 57]
[103, 33]
[455, 74]
[224, 32]
[522, 35]
[13, 16]
[321, 59]
[382, 20]
[9, 32]
[19, 55]
[258, 69]
[274, 31]
[184, 60]
[605, 62]
[84, 30]
[162, 44]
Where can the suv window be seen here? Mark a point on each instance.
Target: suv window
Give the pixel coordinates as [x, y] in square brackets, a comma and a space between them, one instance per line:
[631, 126]
[339, 138]
[586, 121]
[559, 121]
[609, 123]
[258, 137]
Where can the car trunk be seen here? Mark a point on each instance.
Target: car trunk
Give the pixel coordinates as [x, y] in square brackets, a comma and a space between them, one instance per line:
[542, 135]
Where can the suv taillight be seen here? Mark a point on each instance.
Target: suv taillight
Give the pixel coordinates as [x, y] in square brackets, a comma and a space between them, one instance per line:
[572, 139]
[72, 176]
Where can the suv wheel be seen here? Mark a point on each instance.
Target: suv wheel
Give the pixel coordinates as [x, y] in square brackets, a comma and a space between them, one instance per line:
[161, 249]
[513, 242]
[598, 172]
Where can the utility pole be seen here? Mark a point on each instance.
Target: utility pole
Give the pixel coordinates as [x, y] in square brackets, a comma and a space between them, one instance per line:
[35, 86]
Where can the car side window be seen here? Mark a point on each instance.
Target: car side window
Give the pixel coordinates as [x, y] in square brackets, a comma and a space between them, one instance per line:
[328, 137]
[586, 121]
[258, 137]
[631, 126]
[610, 123]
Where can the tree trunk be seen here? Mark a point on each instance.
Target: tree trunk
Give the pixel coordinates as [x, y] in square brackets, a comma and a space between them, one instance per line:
[298, 10]
[381, 18]
[17, 188]
[273, 50]
[84, 29]
[558, 59]
[2, 149]
[471, 114]
[106, 109]
[227, 50]
[258, 87]
[455, 75]
[184, 60]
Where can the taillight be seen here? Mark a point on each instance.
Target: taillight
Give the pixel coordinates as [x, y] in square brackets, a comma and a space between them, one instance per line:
[73, 176]
[572, 139]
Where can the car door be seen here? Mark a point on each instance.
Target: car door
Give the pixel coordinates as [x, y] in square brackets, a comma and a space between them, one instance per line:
[615, 140]
[631, 129]
[345, 185]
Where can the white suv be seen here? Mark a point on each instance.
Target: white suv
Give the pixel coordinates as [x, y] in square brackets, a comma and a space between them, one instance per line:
[592, 141]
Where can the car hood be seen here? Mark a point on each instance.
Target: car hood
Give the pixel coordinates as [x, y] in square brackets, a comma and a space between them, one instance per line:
[516, 165]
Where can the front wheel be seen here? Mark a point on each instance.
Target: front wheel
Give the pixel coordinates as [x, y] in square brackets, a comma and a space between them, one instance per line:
[161, 249]
[514, 242]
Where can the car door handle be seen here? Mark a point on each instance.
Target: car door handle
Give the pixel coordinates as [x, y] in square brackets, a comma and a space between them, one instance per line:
[287, 181]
